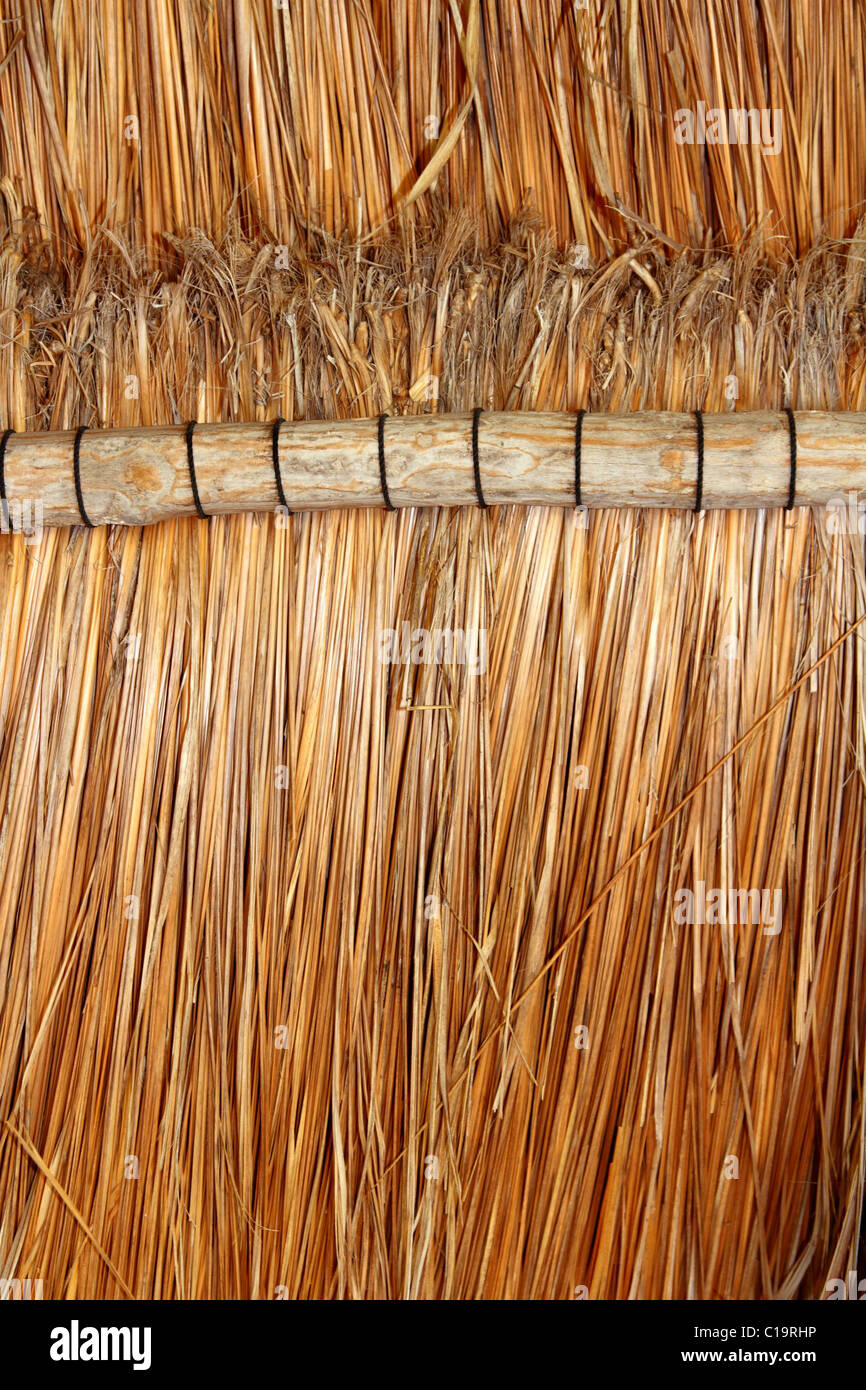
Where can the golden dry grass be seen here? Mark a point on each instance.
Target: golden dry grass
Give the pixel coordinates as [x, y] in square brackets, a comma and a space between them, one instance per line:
[223, 817]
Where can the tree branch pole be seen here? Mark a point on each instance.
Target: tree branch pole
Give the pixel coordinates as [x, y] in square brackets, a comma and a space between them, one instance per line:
[136, 476]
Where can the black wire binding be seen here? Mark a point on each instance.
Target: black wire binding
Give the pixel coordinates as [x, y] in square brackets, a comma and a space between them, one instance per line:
[4, 505]
[383, 477]
[792, 435]
[699, 490]
[476, 469]
[578, 442]
[191, 465]
[76, 470]
[275, 455]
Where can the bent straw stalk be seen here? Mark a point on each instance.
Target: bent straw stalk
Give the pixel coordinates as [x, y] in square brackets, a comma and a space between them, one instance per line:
[138, 476]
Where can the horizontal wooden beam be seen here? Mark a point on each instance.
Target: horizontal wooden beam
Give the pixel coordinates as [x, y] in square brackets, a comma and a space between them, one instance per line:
[641, 459]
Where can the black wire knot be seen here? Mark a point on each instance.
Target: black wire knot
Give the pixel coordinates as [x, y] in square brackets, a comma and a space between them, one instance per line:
[76, 473]
[190, 460]
[578, 445]
[792, 440]
[275, 457]
[476, 467]
[699, 489]
[4, 505]
[383, 477]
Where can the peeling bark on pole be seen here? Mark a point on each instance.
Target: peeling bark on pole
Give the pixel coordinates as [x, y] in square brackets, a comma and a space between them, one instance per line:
[641, 459]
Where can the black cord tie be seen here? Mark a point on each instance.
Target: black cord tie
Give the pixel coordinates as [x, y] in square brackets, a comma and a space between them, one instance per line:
[792, 435]
[383, 476]
[578, 440]
[699, 490]
[76, 469]
[7, 516]
[275, 455]
[191, 465]
[476, 469]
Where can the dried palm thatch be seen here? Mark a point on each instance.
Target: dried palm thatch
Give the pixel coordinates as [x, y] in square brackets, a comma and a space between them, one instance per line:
[296, 946]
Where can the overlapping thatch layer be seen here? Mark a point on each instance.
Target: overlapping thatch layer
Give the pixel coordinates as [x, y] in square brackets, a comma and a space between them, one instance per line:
[337, 960]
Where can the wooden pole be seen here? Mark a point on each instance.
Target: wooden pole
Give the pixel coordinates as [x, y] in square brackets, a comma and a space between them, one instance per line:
[642, 459]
